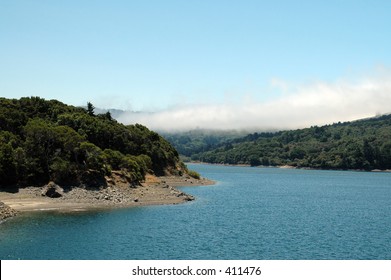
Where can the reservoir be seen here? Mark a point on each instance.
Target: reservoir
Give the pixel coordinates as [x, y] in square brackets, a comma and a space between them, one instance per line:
[251, 213]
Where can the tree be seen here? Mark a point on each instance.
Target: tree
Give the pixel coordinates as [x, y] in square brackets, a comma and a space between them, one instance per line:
[92, 155]
[90, 109]
[254, 160]
[39, 147]
[7, 165]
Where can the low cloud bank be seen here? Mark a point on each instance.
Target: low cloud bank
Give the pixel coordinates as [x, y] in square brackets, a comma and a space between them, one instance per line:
[296, 107]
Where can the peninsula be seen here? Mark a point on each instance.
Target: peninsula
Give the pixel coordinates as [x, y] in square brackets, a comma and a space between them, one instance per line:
[65, 158]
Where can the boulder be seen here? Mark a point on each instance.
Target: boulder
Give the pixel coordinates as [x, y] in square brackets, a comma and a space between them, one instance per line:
[6, 212]
[52, 190]
[189, 198]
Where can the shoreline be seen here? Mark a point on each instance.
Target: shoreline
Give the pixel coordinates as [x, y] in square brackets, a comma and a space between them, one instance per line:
[154, 191]
[286, 166]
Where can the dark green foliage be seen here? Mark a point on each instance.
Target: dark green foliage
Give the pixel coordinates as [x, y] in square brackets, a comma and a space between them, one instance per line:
[47, 140]
[199, 140]
[364, 145]
[7, 163]
[90, 109]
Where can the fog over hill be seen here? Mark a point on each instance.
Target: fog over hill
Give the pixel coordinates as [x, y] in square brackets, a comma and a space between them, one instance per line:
[297, 106]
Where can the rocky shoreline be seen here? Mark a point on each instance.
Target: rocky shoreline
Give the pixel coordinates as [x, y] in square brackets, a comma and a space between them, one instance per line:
[117, 194]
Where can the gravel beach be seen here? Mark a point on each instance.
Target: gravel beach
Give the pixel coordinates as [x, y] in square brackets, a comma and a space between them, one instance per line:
[118, 193]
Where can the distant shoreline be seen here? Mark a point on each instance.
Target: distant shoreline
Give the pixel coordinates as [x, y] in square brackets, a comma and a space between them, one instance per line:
[154, 191]
[286, 167]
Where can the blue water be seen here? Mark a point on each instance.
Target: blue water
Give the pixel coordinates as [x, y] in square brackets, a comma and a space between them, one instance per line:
[251, 213]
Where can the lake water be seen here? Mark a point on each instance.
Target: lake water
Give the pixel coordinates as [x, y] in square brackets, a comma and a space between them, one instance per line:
[251, 213]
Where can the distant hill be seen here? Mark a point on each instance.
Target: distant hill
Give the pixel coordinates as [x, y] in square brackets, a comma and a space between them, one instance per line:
[196, 141]
[115, 113]
[363, 144]
[43, 140]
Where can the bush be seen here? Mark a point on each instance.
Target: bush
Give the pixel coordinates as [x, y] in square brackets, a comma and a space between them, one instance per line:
[63, 171]
[114, 158]
[194, 174]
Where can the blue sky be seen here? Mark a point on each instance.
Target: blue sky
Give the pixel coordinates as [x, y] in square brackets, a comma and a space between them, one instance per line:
[192, 58]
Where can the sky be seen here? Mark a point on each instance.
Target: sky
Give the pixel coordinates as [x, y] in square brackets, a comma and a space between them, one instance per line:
[257, 65]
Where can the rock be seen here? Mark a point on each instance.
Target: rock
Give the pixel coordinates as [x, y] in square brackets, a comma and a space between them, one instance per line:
[189, 198]
[6, 211]
[52, 190]
[135, 200]
[110, 181]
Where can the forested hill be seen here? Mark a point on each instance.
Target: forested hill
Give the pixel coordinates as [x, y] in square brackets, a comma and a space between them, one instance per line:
[196, 141]
[363, 144]
[44, 140]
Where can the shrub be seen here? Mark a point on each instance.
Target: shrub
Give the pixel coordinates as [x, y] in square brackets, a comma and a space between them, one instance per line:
[194, 174]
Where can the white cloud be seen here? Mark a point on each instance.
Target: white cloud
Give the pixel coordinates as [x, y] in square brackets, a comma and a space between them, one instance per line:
[299, 106]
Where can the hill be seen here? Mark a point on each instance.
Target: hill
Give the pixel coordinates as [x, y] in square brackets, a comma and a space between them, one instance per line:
[363, 144]
[42, 141]
[196, 141]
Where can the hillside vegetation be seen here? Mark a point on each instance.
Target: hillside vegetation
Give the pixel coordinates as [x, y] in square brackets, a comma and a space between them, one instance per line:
[363, 144]
[196, 141]
[44, 140]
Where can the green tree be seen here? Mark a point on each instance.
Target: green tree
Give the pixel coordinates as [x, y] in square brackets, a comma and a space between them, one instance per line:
[92, 155]
[40, 147]
[90, 109]
[7, 165]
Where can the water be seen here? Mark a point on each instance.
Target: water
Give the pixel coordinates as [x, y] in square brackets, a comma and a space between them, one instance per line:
[251, 213]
